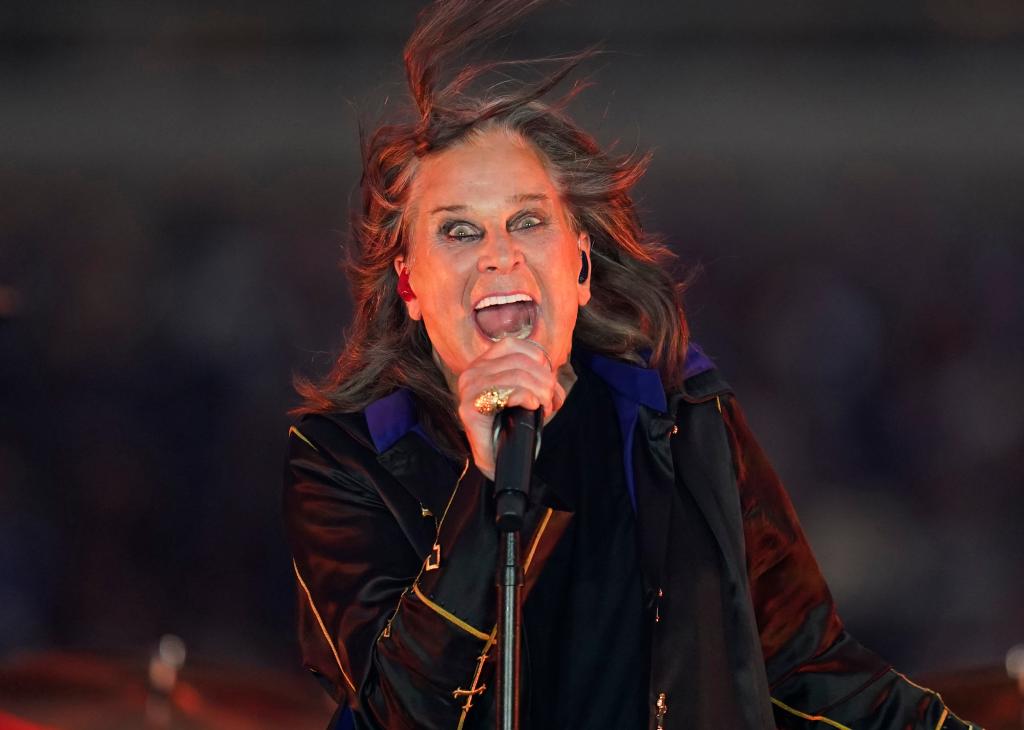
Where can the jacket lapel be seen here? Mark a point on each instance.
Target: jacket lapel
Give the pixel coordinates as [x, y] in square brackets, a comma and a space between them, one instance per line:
[408, 454]
[703, 458]
[645, 414]
[655, 478]
[701, 454]
[422, 470]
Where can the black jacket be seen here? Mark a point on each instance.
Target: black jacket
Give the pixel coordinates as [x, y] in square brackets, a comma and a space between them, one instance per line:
[394, 553]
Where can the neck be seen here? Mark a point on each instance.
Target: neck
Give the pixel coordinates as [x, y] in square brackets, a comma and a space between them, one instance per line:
[449, 377]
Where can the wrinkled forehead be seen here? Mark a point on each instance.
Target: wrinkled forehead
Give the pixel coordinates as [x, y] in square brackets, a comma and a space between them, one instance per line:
[486, 174]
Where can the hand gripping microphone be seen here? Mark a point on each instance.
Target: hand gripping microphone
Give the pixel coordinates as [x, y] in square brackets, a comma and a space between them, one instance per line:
[516, 444]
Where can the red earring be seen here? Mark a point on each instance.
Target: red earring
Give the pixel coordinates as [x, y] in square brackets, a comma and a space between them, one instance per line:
[404, 290]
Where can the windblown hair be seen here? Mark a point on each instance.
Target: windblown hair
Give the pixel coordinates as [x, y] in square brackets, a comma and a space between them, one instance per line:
[635, 304]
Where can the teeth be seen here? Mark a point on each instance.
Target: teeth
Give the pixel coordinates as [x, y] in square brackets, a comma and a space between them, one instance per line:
[502, 299]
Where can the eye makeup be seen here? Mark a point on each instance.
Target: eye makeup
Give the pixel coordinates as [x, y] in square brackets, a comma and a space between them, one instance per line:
[460, 230]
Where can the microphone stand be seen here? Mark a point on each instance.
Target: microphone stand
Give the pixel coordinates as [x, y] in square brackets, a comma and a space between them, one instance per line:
[517, 441]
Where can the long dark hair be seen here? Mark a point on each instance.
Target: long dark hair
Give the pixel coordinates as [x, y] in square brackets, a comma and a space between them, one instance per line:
[635, 303]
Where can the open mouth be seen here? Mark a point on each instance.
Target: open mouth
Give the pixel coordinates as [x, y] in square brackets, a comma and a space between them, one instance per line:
[505, 315]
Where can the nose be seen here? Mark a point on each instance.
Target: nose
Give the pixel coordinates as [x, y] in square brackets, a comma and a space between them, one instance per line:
[500, 253]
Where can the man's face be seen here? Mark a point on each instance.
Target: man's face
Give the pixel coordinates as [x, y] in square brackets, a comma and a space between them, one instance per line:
[488, 227]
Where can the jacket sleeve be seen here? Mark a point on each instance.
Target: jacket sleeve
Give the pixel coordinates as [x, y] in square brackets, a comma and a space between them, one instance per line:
[399, 638]
[818, 674]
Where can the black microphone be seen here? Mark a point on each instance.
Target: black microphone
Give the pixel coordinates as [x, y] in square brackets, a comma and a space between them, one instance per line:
[516, 443]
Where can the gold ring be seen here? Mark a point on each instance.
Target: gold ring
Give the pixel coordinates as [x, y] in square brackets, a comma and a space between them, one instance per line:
[492, 400]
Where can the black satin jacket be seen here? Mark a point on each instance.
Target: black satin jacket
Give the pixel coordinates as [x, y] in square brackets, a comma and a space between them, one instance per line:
[394, 553]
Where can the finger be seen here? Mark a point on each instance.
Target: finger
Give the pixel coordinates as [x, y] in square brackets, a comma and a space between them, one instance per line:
[541, 387]
[518, 397]
[523, 398]
[525, 395]
[507, 371]
[510, 345]
[539, 346]
[509, 360]
[560, 395]
[507, 378]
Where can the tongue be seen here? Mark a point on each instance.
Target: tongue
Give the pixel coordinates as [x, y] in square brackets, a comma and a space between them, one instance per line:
[506, 320]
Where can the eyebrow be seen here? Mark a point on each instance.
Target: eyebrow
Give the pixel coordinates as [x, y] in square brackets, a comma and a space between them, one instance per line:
[519, 198]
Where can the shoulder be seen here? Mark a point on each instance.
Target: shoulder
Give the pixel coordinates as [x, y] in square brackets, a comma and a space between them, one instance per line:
[704, 384]
[339, 437]
[635, 380]
[329, 463]
[703, 380]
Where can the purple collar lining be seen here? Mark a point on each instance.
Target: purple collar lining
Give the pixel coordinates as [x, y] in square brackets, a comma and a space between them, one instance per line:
[390, 418]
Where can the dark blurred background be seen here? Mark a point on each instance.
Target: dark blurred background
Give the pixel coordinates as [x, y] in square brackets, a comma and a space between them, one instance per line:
[174, 184]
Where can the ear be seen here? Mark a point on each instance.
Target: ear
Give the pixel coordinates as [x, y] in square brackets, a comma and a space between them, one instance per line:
[583, 290]
[413, 305]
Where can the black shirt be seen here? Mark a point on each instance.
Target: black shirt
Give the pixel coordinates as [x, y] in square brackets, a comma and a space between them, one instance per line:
[585, 652]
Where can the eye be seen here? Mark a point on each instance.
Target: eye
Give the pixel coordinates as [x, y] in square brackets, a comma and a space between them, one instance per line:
[459, 231]
[528, 220]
